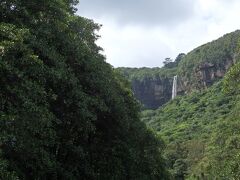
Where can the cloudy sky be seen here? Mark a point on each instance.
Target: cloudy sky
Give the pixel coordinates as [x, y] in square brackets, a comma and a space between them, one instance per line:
[142, 33]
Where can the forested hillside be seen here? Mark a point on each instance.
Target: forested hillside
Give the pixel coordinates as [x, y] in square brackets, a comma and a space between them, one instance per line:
[201, 132]
[64, 112]
[196, 70]
[200, 127]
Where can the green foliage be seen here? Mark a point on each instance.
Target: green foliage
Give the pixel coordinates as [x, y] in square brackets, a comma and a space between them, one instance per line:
[201, 131]
[232, 79]
[145, 74]
[64, 112]
[219, 53]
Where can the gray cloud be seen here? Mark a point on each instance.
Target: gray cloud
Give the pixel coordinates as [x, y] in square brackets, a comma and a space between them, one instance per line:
[139, 33]
[139, 12]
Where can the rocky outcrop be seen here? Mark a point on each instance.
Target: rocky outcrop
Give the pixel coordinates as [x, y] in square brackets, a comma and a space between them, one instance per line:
[204, 76]
[208, 73]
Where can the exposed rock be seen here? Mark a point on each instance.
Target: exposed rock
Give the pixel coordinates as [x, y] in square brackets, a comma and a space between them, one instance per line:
[208, 73]
[153, 93]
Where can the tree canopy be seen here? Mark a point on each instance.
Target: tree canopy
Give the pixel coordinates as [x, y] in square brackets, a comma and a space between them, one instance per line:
[64, 112]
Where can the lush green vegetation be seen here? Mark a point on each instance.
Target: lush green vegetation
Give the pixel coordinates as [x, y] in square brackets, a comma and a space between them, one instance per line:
[219, 52]
[145, 74]
[64, 112]
[232, 79]
[201, 129]
[202, 134]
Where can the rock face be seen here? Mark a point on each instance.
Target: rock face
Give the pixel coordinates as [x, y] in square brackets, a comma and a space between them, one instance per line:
[205, 75]
[153, 93]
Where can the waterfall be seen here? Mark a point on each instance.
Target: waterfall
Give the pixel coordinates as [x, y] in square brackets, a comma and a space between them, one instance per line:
[174, 87]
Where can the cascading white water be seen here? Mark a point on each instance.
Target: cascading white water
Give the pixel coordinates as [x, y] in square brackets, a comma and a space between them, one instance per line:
[174, 87]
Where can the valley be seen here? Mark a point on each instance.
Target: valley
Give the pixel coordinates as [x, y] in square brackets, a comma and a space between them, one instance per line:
[200, 127]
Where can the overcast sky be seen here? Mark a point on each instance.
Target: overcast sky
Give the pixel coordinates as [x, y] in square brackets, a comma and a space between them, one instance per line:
[142, 33]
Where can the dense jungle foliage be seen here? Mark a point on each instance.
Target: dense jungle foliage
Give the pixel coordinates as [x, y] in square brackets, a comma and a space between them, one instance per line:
[64, 112]
[202, 132]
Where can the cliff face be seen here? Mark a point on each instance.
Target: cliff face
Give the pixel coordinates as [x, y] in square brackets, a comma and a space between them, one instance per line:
[205, 75]
[152, 93]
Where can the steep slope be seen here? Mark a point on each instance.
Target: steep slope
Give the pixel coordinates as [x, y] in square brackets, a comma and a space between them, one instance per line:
[208, 63]
[202, 133]
[197, 70]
